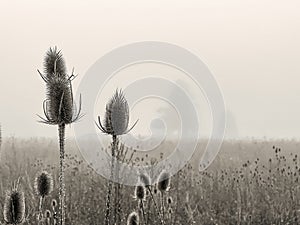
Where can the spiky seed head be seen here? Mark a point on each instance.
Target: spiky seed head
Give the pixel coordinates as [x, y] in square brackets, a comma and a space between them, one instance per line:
[54, 63]
[54, 203]
[164, 181]
[133, 219]
[140, 192]
[43, 184]
[59, 104]
[47, 213]
[116, 115]
[145, 179]
[14, 207]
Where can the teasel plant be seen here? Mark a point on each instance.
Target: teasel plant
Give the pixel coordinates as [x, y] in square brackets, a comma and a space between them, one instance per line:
[59, 109]
[133, 219]
[115, 123]
[145, 180]
[48, 217]
[140, 196]
[163, 186]
[54, 213]
[14, 206]
[43, 186]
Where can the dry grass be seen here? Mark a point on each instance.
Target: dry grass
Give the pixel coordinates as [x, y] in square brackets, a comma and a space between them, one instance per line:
[250, 182]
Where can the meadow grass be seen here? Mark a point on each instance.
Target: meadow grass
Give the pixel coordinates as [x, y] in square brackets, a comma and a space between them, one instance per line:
[250, 182]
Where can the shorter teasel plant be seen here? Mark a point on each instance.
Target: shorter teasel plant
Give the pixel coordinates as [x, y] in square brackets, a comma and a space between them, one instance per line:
[163, 186]
[14, 206]
[140, 196]
[115, 123]
[43, 186]
[133, 219]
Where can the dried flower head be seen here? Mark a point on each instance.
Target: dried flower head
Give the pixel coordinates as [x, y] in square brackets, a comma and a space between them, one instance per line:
[14, 207]
[59, 106]
[116, 116]
[170, 200]
[54, 63]
[164, 181]
[43, 184]
[54, 203]
[133, 219]
[47, 213]
[140, 192]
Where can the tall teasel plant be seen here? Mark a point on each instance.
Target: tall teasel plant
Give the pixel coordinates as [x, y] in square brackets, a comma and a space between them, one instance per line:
[59, 109]
[115, 123]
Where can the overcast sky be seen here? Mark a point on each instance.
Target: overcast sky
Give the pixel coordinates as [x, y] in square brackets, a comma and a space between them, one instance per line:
[252, 47]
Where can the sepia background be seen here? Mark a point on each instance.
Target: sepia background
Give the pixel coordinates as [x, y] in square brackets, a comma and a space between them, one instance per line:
[251, 47]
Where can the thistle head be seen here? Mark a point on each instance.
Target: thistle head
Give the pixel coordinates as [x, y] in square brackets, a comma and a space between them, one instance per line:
[164, 181]
[116, 116]
[14, 207]
[43, 184]
[140, 192]
[133, 219]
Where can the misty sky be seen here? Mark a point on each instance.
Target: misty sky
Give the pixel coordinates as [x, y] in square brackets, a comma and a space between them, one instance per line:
[252, 47]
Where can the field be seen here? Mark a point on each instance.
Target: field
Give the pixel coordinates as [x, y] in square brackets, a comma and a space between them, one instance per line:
[250, 182]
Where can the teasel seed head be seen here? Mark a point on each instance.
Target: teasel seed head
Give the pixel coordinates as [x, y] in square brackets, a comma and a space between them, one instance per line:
[116, 116]
[47, 213]
[43, 184]
[133, 219]
[164, 181]
[170, 200]
[59, 107]
[140, 192]
[54, 63]
[14, 207]
[54, 203]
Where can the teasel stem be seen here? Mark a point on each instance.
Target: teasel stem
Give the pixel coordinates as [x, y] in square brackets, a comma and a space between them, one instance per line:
[156, 207]
[110, 182]
[40, 216]
[117, 197]
[62, 194]
[143, 211]
[162, 206]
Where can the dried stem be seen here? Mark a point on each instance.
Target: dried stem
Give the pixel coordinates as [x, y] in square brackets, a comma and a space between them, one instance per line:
[62, 194]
